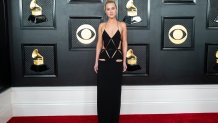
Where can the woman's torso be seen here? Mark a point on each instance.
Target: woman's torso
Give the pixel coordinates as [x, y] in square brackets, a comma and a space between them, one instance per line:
[111, 49]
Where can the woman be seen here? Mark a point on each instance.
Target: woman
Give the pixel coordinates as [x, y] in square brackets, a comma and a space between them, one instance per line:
[110, 62]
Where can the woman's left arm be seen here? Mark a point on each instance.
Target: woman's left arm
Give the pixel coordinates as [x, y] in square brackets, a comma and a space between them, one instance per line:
[124, 44]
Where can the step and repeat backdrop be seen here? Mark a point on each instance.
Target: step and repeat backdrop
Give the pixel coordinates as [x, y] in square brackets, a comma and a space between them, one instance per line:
[4, 48]
[169, 41]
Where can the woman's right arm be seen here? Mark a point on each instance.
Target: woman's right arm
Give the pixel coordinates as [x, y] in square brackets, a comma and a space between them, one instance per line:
[98, 47]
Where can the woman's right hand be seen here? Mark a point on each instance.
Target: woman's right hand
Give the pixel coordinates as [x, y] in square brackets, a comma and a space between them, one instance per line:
[96, 67]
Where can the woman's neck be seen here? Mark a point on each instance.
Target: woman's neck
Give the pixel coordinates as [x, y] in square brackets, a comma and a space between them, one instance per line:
[112, 20]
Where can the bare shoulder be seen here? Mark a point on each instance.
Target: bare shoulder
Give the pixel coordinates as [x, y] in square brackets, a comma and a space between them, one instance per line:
[101, 24]
[123, 24]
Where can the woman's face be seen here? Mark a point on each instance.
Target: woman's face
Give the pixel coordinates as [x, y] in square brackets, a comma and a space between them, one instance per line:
[111, 10]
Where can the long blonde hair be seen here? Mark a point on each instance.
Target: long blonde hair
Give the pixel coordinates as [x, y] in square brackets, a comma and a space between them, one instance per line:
[109, 1]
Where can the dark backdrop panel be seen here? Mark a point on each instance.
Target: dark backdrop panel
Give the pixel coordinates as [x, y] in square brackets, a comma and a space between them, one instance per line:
[4, 48]
[170, 26]
[141, 51]
[45, 53]
[75, 67]
[48, 10]
[212, 14]
[211, 59]
[75, 30]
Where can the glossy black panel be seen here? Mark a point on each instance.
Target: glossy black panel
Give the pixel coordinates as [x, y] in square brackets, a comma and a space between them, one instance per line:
[74, 67]
[4, 48]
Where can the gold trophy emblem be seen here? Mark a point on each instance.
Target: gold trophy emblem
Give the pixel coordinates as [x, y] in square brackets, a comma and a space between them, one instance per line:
[36, 13]
[131, 8]
[35, 8]
[132, 61]
[131, 58]
[38, 58]
[38, 62]
[132, 13]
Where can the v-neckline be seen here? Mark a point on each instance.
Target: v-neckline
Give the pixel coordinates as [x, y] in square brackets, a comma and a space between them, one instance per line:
[109, 35]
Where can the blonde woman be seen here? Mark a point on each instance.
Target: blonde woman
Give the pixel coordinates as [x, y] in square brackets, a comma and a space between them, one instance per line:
[110, 63]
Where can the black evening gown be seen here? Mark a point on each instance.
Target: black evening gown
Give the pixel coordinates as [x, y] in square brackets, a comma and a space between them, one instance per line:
[109, 79]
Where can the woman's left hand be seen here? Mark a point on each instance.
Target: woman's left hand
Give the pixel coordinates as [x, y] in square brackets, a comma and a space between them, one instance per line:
[124, 66]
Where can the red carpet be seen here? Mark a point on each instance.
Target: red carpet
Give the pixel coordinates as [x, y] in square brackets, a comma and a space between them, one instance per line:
[147, 118]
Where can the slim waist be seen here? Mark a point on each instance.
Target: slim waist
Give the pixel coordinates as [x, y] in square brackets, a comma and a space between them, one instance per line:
[111, 60]
[110, 49]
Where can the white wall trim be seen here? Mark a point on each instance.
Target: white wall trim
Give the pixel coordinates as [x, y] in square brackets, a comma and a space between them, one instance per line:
[81, 100]
[5, 106]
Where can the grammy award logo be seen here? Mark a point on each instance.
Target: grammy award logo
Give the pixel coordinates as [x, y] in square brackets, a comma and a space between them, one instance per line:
[132, 13]
[178, 34]
[38, 62]
[36, 13]
[131, 58]
[131, 8]
[132, 61]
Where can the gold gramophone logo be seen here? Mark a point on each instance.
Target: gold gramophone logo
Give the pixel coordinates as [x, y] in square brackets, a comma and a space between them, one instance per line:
[38, 62]
[36, 13]
[131, 58]
[37, 58]
[132, 64]
[132, 13]
[36, 10]
[178, 34]
[131, 8]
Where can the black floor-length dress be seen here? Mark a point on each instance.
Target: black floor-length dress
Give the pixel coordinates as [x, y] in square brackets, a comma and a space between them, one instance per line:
[109, 79]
